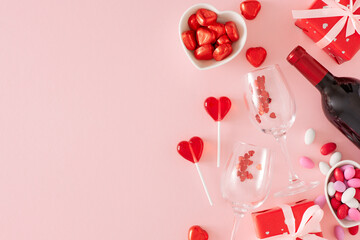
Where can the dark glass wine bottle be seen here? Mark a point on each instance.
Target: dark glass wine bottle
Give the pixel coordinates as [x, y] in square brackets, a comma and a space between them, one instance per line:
[340, 95]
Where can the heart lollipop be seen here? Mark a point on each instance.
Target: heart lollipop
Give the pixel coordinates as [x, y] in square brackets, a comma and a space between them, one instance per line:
[197, 233]
[191, 150]
[217, 109]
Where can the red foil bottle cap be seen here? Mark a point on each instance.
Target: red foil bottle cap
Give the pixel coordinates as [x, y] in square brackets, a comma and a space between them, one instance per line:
[307, 65]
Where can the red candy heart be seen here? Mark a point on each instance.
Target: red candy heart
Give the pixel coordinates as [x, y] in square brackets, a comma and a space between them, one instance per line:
[205, 17]
[193, 23]
[191, 150]
[204, 52]
[217, 108]
[197, 233]
[222, 51]
[205, 36]
[256, 56]
[223, 39]
[218, 28]
[231, 31]
[250, 9]
[188, 38]
[354, 230]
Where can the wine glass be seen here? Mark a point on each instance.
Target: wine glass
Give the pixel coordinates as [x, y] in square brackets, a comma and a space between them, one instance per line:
[246, 179]
[272, 108]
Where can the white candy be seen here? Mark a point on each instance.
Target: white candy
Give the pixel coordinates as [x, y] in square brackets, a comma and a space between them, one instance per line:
[335, 158]
[353, 203]
[324, 167]
[348, 195]
[331, 190]
[309, 136]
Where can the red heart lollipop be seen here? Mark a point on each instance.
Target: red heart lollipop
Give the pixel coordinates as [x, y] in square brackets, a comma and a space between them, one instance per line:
[249, 9]
[197, 233]
[256, 56]
[191, 150]
[217, 109]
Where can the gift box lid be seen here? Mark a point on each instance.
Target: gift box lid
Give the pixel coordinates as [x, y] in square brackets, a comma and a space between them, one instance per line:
[271, 222]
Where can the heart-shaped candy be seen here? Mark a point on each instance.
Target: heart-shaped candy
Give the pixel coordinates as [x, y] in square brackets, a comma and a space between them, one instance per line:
[191, 150]
[250, 9]
[197, 233]
[205, 36]
[217, 108]
[205, 17]
[256, 56]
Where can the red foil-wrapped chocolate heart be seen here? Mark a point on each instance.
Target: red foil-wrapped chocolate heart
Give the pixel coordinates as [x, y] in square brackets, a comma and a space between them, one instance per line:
[197, 233]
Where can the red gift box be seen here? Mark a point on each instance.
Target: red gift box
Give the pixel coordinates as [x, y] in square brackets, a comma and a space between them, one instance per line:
[330, 32]
[271, 222]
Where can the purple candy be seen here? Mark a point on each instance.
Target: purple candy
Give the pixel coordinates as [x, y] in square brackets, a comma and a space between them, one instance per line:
[346, 166]
[354, 182]
[339, 186]
[339, 233]
[320, 200]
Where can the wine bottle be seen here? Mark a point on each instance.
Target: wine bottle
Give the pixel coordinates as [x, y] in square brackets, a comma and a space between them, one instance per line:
[340, 95]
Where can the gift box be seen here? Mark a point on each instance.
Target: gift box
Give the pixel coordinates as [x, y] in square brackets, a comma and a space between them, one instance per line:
[333, 25]
[297, 220]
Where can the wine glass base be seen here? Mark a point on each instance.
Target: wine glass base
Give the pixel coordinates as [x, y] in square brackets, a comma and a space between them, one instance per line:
[296, 187]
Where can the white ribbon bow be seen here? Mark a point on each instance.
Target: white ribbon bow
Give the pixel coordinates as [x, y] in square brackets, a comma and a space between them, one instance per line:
[310, 223]
[334, 9]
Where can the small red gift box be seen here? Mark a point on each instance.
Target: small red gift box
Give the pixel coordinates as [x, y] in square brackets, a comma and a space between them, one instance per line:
[275, 221]
[334, 26]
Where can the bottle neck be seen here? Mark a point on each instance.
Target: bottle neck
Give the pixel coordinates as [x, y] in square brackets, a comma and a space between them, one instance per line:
[328, 80]
[307, 65]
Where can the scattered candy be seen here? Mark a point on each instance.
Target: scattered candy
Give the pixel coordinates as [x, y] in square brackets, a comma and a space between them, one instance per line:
[331, 190]
[357, 173]
[335, 158]
[354, 230]
[306, 162]
[217, 109]
[324, 167]
[197, 233]
[192, 150]
[342, 211]
[207, 38]
[339, 186]
[320, 200]
[349, 173]
[339, 233]
[335, 204]
[309, 136]
[348, 195]
[338, 174]
[256, 56]
[272, 115]
[354, 214]
[328, 148]
[354, 182]
[250, 9]
[352, 203]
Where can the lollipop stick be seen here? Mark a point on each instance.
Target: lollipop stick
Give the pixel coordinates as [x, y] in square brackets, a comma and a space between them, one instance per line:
[218, 145]
[203, 182]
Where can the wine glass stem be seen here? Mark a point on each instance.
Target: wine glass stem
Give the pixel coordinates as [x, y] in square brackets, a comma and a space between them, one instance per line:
[282, 141]
[237, 218]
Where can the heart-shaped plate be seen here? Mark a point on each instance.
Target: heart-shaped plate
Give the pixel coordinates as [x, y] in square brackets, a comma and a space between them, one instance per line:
[223, 17]
[344, 223]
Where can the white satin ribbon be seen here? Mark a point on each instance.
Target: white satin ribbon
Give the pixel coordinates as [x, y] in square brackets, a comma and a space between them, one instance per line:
[334, 9]
[310, 223]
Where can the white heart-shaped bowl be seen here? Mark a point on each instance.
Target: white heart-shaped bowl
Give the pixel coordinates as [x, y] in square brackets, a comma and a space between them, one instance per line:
[223, 17]
[344, 223]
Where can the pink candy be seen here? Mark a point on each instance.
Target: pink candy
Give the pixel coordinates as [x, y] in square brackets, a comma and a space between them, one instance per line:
[306, 162]
[355, 182]
[354, 214]
[349, 173]
[339, 186]
[343, 168]
[320, 200]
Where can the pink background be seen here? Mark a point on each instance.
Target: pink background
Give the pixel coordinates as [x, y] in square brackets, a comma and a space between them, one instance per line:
[96, 94]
